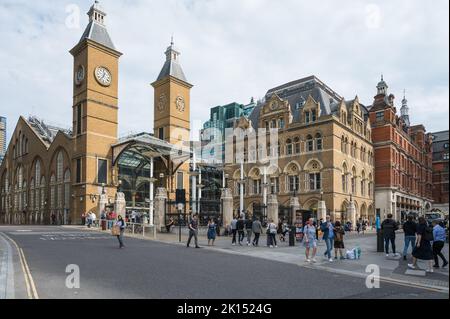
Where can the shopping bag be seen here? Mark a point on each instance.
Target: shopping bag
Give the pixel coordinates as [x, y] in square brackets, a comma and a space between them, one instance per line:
[115, 230]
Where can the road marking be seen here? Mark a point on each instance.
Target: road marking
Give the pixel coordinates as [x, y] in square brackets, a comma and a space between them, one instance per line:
[29, 282]
[7, 272]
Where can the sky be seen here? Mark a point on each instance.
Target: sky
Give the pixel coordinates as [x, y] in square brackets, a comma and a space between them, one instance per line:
[230, 51]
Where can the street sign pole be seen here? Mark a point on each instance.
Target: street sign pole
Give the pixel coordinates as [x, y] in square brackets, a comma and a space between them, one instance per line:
[180, 208]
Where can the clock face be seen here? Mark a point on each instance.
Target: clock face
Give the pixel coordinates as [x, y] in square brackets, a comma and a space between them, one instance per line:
[180, 104]
[274, 105]
[162, 103]
[79, 75]
[103, 76]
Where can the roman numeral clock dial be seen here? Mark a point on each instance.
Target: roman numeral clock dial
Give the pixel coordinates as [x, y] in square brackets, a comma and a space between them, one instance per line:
[103, 76]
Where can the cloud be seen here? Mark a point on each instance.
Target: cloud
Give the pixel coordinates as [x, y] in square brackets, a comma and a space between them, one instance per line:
[231, 51]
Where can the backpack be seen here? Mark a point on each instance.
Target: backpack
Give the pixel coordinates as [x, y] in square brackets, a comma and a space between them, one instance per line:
[428, 234]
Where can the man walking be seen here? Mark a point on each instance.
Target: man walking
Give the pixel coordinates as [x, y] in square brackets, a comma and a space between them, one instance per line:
[438, 244]
[257, 230]
[389, 226]
[410, 229]
[233, 230]
[193, 231]
[248, 229]
[328, 236]
[240, 229]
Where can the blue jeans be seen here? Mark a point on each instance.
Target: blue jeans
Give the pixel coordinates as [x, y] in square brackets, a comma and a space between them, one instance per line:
[408, 240]
[329, 242]
[386, 244]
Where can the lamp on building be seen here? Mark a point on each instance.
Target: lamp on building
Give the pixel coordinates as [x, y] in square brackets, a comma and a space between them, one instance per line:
[321, 195]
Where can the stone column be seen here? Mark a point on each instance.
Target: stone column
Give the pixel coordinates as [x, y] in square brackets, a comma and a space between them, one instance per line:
[120, 204]
[160, 208]
[351, 213]
[272, 208]
[295, 205]
[321, 210]
[227, 207]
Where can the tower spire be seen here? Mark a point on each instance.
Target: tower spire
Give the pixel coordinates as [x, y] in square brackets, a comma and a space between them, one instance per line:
[382, 86]
[96, 13]
[404, 111]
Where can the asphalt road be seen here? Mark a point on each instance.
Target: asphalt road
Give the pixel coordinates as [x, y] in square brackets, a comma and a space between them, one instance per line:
[147, 269]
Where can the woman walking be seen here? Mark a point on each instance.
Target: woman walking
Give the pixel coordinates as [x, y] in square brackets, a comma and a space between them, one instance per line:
[211, 232]
[121, 224]
[339, 233]
[423, 250]
[272, 234]
[310, 240]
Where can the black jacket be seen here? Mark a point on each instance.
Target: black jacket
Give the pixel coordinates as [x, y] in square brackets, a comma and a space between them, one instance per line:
[248, 224]
[410, 228]
[240, 224]
[389, 226]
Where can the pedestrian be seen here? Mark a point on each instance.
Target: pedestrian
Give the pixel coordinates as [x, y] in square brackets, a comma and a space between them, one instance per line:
[233, 226]
[310, 239]
[53, 219]
[317, 228]
[410, 229]
[389, 226]
[257, 230]
[422, 249]
[358, 226]
[219, 221]
[89, 219]
[272, 234]
[170, 224]
[93, 219]
[327, 229]
[193, 231]
[83, 219]
[121, 224]
[211, 232]
[339, 233]
[280, 231]
[438, 243]
[248, 229]
[240, 229]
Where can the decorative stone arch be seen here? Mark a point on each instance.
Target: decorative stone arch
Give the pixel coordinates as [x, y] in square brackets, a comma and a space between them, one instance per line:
[363, 212]
[255, 173]
[292, 168]
[310, 163]
[237, 174]
[274, 171]
[311, 203]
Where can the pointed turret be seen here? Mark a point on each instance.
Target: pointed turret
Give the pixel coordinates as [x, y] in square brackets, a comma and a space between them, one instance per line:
[172, 66]
[404, 111]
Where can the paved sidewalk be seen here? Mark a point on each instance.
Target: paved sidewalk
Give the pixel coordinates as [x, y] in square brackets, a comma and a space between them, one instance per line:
[391, 269]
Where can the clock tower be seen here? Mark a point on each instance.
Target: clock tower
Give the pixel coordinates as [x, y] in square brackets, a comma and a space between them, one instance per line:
[172, 100]
[95, 112]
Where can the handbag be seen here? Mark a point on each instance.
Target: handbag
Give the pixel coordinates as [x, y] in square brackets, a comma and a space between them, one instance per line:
[115, 230]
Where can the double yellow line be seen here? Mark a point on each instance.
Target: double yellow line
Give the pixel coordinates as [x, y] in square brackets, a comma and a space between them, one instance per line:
[29, 282]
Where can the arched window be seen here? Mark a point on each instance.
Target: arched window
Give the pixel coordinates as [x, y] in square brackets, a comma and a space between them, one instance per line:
[370, 186]
[59, 180]
[288, 146]
[354, 181]
[318, 141]
[342, 144]
[346, 145]
[297, 145]
[314, 176]
[363, 183]
[67, 189]
[309, 143]
[344, 179]
[19, 185]
[52, 194]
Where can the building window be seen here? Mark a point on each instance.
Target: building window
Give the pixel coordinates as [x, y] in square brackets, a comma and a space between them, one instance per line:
[102, 171]
[297, 145]
[274, 123]
[293, 183]
[344, 183]
[161, 133]
[379, 116]
[319, 141]
[274, 187]
[309, 143]
[445, 156]
[256, 186]
[313, 115]
[289, 147]
[281, 123]
[267, 126]
[78, 176]
[314, 181]
[180, 180]
[307, 117]
[78, 130]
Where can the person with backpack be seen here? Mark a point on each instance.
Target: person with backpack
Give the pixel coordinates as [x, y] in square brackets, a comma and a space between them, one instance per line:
[257, 230]
[339, 233]
[389, 226]
[422, 249]
[233, 230]
[439, 237]
[310, 240]
[248, 229]
[272, 234]
[240, 225]
[410, 229]
[327, 229]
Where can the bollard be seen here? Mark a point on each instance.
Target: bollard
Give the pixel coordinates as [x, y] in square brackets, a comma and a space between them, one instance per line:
[292, 236]
[380, 241]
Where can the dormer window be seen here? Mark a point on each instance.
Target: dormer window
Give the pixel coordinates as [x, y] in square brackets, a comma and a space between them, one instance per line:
[307, 117]
[313, 116]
